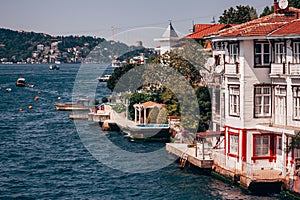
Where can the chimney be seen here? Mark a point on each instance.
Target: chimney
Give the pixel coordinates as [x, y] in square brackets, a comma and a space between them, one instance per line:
[275, 6]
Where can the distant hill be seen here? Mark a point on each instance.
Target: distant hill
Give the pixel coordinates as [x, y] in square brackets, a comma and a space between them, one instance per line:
[31, 47]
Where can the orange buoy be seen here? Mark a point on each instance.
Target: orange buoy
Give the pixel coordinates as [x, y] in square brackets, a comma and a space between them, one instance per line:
[30, 107]
[36, 98]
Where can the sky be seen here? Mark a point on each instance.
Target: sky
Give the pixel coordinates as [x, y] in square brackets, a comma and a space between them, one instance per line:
[107, 18]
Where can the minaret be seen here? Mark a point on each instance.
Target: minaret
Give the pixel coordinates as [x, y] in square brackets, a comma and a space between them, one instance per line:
[168, 40]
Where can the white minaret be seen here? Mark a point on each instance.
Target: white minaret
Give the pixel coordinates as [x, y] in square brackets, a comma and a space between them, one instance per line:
[168, 40]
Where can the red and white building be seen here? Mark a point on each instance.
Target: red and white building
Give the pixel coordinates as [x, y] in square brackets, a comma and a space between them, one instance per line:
[258, 100]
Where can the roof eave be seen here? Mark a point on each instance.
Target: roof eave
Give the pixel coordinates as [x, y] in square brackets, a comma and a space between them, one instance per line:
[284, 37]
[239, 38]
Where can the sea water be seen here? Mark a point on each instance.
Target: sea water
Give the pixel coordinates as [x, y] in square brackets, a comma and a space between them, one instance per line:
[43, 156]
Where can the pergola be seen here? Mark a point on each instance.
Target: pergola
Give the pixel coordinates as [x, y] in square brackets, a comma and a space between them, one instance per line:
[140, 111]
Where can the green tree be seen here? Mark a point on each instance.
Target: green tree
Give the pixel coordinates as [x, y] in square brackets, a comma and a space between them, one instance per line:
[295, 143]
[204, 101]
[267, 11]
[295, 3]
[153, 114]
[238, 16]
[162, 117]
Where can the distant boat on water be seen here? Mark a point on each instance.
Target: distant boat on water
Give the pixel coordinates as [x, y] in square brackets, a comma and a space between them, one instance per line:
[21, 82]
[80, 104]
[104, 78]
[54, 67]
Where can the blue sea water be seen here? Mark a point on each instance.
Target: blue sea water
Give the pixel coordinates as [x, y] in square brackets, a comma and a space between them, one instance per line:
[43, 156]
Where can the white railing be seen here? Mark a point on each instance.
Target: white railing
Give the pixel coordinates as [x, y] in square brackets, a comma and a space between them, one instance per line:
[223, 161]
[278, 69]
[285, 68]
[232, 69]
[294, 68]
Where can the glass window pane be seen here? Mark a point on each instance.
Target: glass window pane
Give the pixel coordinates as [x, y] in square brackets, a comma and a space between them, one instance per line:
[257, 48]
[266, 48]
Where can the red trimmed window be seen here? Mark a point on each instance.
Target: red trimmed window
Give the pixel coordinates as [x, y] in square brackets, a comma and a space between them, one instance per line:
[233, 147]
[263, 147]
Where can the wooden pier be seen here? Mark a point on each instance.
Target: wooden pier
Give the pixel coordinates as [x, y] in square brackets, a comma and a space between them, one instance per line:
[78, 116]
[193, 155]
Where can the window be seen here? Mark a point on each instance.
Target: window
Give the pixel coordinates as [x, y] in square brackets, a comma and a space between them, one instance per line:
[296, 102]
[262, 145]
[234, 100]
[262, 55]
[233, 53]
[262, 102]
[279, 145]
[279, 52]
[296, 52]
[234, 144]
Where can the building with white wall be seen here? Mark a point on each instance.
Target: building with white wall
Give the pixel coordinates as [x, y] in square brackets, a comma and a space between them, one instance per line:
[168, 40]
[260, 92]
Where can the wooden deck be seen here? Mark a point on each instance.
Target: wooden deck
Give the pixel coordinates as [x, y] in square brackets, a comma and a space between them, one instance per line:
[193, 157]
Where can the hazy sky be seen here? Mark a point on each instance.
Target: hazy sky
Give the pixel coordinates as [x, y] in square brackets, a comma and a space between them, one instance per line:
[97, 17]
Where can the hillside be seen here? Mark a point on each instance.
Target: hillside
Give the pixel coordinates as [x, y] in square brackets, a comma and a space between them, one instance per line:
[31, 47]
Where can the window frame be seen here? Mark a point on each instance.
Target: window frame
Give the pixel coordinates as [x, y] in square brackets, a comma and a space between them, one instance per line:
[262, 103]
[279, 53]
[296, 103]
[261, 54]
[233, 137]
[234, 101]
[296, 52]
[233, 52]
[271, 155]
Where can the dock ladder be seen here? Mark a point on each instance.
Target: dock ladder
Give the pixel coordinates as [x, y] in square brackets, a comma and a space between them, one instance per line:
[183, 158]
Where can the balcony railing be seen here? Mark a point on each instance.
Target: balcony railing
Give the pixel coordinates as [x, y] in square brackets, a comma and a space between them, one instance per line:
[285, 69]
[232, 69]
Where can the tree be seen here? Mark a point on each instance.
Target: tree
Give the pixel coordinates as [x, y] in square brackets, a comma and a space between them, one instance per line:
[295, 3]
[239, 15]
[267, 11]
[162, 117]
[295, 143]
[152, 117]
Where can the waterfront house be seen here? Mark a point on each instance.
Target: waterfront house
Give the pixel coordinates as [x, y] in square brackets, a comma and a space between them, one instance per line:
[259, 99]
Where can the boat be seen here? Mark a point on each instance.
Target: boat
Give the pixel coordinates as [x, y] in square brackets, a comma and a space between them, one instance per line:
[54, 67]
[80, 105]
[21, 82]
[141, 131]
[148, 131]
[104, 78]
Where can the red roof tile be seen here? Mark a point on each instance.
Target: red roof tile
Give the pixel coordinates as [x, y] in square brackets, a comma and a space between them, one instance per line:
[271, 25]
[207, 29]
[292, 28]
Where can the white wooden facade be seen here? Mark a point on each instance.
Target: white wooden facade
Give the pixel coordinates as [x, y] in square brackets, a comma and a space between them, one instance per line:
[259, 92]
